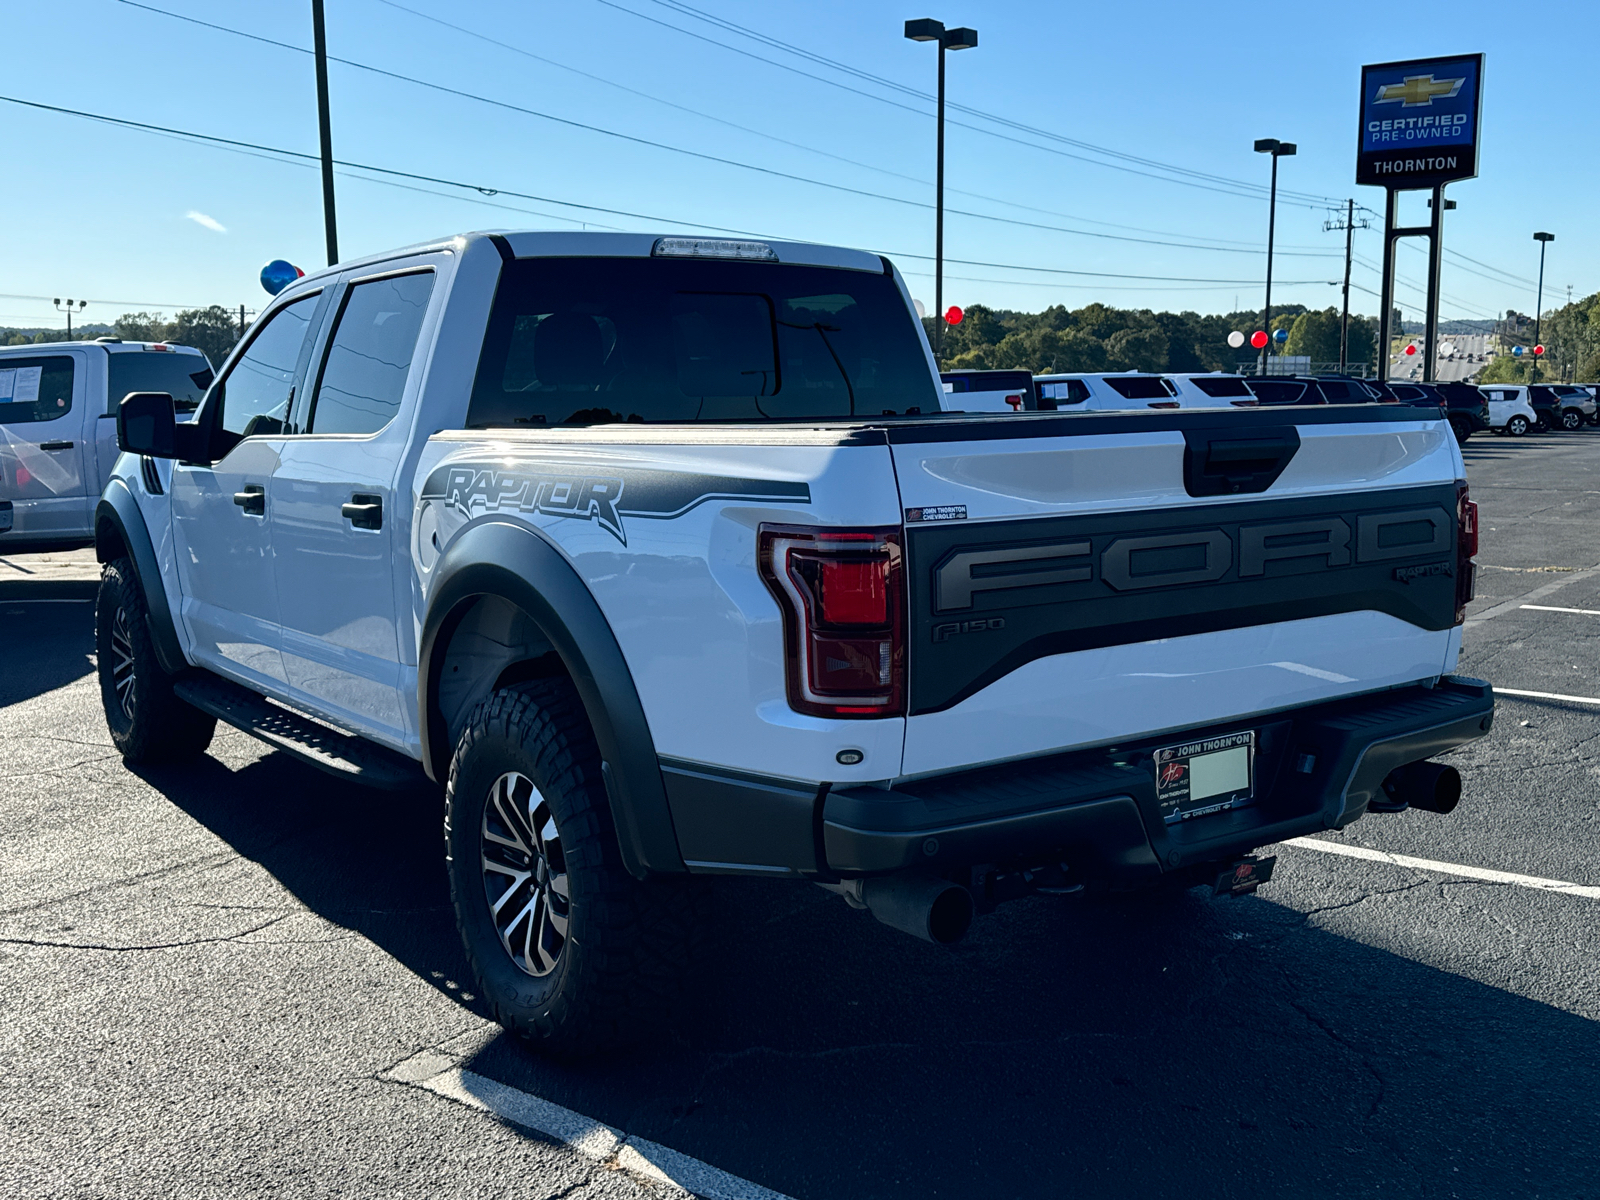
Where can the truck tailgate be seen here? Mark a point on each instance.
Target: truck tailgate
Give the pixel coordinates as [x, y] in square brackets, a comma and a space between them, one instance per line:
[1085, 580]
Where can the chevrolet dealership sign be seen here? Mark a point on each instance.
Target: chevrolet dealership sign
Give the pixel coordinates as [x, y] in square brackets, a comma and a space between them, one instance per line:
[1419, 122]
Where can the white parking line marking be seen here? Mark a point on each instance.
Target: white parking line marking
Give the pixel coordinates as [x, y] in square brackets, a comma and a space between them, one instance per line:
[1585, 612]
[1443, 868]
[1538, 593]
[658, 1164]
[1503, 691]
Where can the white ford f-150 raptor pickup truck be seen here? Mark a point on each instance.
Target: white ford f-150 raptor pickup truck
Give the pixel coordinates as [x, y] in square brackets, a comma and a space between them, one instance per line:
[661, 556]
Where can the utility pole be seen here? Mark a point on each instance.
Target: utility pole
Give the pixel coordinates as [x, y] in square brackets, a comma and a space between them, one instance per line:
[241, 322]
[320, 44]
[1349, 226]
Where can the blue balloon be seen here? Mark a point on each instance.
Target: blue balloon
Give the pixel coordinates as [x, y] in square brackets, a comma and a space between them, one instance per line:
[1280, 336]
[1516, 351]
[277, 275]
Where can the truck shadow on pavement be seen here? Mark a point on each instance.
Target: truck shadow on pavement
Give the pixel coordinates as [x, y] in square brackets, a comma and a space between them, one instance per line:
[1180, 1048]
[46, 646]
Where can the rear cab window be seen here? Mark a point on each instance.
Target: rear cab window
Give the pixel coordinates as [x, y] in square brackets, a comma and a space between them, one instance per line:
[579, 341]
[1220, 387]
[1140, 387]
[35, 389]
[184, 377]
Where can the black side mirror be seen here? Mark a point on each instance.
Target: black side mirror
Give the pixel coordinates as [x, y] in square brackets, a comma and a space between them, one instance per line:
[147, 423]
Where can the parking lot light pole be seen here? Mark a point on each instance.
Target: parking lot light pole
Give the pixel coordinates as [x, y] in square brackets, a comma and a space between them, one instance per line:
[1543, 239]
[1278, 150]
[928, 30]
[319, 42]
[69, 310]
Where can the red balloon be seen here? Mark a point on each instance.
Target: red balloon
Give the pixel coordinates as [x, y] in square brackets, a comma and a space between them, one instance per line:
[1258, 339]
[1411, 349]
[953, 315]
[1538, 349]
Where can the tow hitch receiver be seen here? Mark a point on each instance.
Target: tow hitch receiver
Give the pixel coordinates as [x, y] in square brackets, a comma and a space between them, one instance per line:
[1245, 876]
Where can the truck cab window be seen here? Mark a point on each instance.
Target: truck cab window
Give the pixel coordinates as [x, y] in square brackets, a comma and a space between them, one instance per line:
[369, 356]
[255, 395]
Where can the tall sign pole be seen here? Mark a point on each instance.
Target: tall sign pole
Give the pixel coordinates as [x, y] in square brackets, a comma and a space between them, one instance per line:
[1418, 132]
[319, 40]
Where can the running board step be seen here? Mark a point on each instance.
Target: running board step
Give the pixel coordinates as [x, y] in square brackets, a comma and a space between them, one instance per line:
[343, 754]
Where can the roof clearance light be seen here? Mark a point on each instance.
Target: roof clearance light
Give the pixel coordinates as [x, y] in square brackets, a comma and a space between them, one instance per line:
[671, 247]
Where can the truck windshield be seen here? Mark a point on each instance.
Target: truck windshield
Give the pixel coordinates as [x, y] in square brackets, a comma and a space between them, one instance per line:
[578, 341]
[184, 376]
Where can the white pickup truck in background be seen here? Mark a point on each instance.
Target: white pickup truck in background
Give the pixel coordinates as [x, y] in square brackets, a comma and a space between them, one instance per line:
[660, 556]
[58, 406]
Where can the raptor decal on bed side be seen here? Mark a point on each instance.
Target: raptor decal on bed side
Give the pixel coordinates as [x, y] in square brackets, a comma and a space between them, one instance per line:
[604, 494]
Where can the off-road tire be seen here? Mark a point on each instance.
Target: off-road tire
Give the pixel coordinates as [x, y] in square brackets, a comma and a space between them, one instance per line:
[628, 944]
[1517, 426]
[148, 723]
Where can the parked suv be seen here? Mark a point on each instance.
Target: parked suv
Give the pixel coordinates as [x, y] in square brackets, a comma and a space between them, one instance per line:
[1312, 389]
[1106, 392]
[654, 556]
[1575, 404]
[1463, 404]
[1509, 410]
[989, 391]
[58, 404]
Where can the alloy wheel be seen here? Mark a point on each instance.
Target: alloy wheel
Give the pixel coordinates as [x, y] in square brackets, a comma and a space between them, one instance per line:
[525, 874]
[1572, 418]
[122, 672]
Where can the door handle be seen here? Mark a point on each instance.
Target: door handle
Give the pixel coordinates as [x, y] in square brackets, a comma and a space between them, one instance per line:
[55, 445]
[253, 500]
[364, 511]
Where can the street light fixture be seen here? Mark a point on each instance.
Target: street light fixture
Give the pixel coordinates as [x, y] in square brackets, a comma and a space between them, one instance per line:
[69, 310]
[929, 30]
[1542, 239]
[1278, 150]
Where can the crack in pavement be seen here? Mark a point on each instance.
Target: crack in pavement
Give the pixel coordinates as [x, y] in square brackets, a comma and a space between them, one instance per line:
[205, 862]
[232, 937]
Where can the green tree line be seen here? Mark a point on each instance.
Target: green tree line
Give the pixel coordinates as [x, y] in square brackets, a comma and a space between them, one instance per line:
[1571, 337]
[214, 330]
[1099, 338]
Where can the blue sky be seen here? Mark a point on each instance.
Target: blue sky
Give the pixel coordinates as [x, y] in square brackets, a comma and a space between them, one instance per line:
[139, 220]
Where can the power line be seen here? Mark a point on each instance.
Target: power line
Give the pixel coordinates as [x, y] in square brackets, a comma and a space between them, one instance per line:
[783, 141]
[301, 158]
[1193, 178]
[697, 154]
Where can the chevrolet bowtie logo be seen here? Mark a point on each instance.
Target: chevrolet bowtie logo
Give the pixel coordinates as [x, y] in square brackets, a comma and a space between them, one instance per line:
[1419, 91]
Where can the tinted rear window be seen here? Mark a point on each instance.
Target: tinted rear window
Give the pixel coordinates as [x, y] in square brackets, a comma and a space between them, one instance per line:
[1062, 391]
[1220, 386]
[1277, 391]
[184, 376]
[990, 381]
[1140, 387]
[35, 389]
[588, 340]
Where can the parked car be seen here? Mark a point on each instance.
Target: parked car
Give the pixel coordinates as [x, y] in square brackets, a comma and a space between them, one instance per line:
[1313, 389]
[1212, 390]
[1575, 405]
[1509, 410]
[1594, 394]
[58, 404]
[989, 391]
[1463, 404]
[1106, 392]
[652, 554]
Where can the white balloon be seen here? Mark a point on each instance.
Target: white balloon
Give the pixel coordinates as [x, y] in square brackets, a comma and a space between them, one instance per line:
[1236, 339]
[1447, 349]
[922, 309]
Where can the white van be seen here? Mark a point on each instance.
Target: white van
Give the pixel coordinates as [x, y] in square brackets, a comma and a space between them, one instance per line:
[988, 391]
[58, 429]
[1106, 392]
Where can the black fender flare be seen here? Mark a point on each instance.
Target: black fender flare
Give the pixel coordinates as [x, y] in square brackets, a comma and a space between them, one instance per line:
[118, 516]
[500, 558]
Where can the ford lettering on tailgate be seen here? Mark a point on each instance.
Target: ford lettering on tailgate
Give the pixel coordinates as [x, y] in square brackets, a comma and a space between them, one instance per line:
[1046, 586]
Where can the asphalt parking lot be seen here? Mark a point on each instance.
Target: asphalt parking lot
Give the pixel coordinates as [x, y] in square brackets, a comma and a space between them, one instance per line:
[236, 978]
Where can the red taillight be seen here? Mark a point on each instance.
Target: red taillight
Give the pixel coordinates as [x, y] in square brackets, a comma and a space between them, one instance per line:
[1466, 549]
[1244, 403]
[841, 594]
[1015, 402]
[1163, 404]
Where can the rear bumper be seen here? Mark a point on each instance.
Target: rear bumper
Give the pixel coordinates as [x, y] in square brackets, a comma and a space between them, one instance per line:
[1317, 768]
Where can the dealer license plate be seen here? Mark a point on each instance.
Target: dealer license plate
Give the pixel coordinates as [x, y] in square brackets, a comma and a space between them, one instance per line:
[1205, 776]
